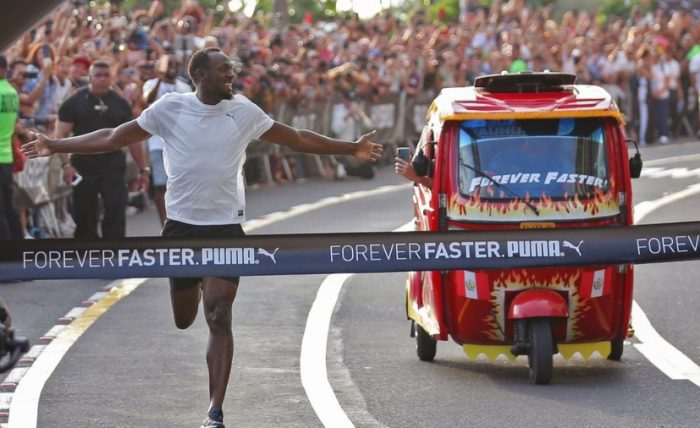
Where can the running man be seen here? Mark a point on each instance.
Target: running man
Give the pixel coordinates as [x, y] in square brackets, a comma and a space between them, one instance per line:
[206, 133]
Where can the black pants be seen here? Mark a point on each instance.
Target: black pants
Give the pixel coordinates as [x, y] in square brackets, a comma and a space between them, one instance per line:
[10, 227]
[110, 185]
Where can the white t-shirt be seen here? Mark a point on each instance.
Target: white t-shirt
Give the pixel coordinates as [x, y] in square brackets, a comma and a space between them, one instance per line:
[204, 154]
[156, 142]
[673, 70]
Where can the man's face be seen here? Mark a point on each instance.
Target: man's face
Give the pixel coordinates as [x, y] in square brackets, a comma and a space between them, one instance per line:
[18, 78]
[220, 75]
[63, 68]
[78, 69]
[173, 67]
[100, 79]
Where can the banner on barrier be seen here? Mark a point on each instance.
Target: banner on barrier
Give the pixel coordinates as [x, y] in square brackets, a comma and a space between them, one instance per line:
[351, 252]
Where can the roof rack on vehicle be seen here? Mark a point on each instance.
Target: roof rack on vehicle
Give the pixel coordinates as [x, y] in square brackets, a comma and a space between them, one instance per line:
[526, 82]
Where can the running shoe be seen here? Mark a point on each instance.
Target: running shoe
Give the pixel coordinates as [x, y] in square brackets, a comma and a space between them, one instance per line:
[215, 419]
[210, 423]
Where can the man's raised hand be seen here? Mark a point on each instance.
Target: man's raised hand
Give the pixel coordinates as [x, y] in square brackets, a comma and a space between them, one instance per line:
[37, 148]
[367, 150]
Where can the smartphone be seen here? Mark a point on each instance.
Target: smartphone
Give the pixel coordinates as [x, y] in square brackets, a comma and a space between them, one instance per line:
[77, 179]
[404, 153]
[163, 64]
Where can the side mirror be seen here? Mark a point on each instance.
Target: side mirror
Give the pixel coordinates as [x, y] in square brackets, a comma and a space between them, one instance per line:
[635, 161]
[420, 164]
[636, 166]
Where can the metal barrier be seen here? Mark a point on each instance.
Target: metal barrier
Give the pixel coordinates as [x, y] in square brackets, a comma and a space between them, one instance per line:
[351, 252]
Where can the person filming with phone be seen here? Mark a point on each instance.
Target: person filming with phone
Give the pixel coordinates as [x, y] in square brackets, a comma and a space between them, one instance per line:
[89, 109]
[42, 69]
[404, 167]
[166, 82]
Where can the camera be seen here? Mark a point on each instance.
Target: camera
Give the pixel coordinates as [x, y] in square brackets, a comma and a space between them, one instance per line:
[11, 347]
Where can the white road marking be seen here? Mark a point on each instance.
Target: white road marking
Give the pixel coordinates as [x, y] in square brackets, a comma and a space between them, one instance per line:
[657, 172]
[673, 159]
[667, 358]
[312, 360]
[655, 348]
[25, 402]
[325, 202]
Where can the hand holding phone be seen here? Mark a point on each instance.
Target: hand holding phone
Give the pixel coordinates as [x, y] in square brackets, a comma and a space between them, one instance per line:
[404, 153]
[77, 179]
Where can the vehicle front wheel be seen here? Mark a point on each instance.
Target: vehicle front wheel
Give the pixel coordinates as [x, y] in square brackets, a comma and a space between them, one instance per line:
[426, 346]
[541, 351]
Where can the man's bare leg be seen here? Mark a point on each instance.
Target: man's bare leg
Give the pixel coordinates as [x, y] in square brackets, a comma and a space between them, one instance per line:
[185, 305]
[219, 294]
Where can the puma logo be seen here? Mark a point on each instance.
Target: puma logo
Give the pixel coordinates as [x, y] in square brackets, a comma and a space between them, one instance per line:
[264, 252]
[576, 248]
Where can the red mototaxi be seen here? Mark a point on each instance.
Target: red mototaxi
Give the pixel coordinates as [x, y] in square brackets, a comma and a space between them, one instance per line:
[580, 178]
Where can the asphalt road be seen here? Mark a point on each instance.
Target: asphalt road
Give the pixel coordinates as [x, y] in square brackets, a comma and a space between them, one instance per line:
[133, 368]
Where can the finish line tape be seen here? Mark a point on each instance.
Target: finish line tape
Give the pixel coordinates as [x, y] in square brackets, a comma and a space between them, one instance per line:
[348, 253]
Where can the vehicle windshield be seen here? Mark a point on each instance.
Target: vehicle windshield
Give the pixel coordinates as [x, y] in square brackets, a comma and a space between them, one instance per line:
[533, 158]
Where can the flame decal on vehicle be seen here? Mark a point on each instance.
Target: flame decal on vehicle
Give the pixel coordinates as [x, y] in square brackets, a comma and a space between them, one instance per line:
[601, 204]
[521, 279]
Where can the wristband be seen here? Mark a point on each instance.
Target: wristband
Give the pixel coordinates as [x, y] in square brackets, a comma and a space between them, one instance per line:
[145, 170]
[64, 165]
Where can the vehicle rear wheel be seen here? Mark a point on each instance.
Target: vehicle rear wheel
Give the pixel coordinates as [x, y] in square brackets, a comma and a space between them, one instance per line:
[616, 346]
[426, 346]
[541, 351]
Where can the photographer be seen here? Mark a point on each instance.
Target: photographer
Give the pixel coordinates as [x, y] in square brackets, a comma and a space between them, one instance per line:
[5, 318]
[18, 76]
[11, 347]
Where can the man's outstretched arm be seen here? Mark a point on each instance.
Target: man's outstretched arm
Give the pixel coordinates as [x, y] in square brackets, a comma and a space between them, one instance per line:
[305, 141]
[100, 141]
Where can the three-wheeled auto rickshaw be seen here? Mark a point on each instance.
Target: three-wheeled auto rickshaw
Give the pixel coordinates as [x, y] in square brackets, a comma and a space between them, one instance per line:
[528, 150]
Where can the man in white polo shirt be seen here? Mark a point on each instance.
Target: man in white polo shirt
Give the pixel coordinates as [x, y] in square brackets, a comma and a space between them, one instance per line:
[206, 134]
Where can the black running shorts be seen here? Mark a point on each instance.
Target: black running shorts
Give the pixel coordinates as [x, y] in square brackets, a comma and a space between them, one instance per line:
[177, 229]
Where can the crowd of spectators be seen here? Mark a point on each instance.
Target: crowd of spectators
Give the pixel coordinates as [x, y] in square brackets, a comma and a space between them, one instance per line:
[650, 62]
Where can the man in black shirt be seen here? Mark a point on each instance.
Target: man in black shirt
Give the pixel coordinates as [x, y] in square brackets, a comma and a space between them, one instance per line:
[89, 109]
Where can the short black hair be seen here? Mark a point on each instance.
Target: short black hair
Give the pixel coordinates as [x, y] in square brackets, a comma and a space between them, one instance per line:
[17, 62]
[100, 63]
[3, 62]
[199, 61]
